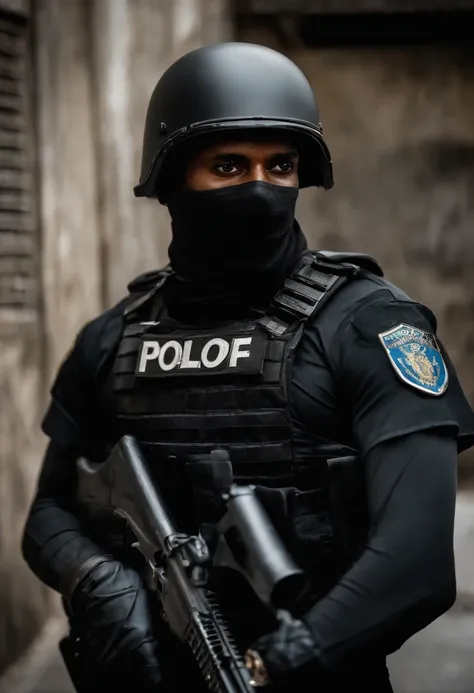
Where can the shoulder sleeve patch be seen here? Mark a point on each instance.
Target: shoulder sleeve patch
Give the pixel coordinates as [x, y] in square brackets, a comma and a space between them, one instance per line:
[416, 358]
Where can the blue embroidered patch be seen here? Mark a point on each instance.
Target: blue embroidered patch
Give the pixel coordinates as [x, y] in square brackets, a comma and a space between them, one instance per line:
[416, 358]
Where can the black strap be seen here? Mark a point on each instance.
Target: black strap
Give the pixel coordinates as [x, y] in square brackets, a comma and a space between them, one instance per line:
[307, 289]
[143, 289]
[357, 260]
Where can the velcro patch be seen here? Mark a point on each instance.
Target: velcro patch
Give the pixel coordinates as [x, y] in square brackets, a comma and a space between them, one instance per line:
[164, 356]
[416, 358]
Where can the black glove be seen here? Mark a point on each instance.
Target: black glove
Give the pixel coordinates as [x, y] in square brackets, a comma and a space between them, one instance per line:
[283, 652]
[110, 608]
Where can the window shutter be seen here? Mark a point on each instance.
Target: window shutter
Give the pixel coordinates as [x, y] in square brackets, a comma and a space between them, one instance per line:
[18, 232]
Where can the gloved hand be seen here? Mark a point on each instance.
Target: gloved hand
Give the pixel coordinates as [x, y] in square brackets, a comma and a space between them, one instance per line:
[283, 652]
[110, 605]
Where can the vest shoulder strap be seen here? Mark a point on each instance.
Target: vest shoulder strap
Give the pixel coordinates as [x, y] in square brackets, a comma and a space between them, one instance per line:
[314, 280]
[144, 289]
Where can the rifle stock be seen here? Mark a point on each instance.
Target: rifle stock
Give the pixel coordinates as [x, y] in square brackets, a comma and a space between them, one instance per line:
[123, 483]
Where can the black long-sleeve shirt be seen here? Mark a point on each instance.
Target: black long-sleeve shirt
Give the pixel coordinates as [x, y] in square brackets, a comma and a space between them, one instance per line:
[405, 577]
[344, 388]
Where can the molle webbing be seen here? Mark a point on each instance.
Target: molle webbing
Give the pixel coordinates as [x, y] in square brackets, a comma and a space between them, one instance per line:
[248, 414]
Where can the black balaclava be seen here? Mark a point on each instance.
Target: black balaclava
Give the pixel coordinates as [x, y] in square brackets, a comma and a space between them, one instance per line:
[232, 247]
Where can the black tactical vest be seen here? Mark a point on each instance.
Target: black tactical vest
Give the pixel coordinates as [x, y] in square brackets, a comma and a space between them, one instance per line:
[184, 390]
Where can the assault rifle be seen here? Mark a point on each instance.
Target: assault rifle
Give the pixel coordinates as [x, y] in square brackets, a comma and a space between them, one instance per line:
[180, 564]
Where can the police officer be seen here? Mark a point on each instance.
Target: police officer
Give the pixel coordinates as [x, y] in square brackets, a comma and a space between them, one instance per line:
[289, 359]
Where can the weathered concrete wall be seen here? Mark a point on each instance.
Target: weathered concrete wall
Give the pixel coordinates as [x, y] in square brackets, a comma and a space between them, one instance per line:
[399, 123]
[68, 176]
[24, 603]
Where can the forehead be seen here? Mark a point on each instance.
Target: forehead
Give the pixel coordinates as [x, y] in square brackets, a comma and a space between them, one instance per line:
[249, 147]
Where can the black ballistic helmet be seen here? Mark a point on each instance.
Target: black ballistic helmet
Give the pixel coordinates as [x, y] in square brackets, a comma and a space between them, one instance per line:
[230, 88]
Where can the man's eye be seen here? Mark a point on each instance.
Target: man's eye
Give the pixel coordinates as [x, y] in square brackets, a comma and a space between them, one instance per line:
[284, 167]
[227, 167]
